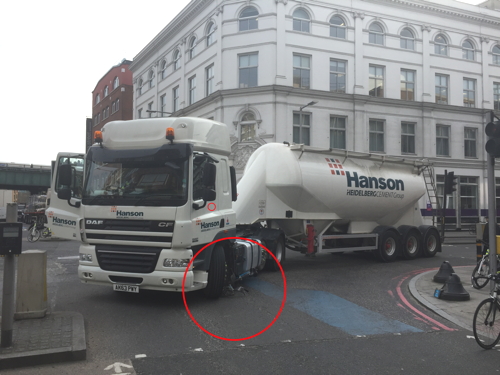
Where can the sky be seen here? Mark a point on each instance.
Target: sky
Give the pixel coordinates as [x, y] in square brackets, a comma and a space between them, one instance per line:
[53, 53]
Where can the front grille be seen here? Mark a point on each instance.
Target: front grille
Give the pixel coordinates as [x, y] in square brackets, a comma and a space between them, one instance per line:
[126, 279]
[135, 259]
[121, 237]
[163, 226]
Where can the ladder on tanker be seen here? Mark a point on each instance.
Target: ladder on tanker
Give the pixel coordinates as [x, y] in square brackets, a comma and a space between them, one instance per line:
[430, 185]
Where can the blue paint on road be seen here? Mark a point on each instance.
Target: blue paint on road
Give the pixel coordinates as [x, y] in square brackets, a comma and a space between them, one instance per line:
[333, 310]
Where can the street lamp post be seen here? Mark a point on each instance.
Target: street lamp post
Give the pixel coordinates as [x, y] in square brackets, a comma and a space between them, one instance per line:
[301, 120]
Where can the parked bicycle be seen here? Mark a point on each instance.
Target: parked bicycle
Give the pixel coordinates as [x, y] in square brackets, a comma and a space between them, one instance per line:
[35, 231]
[479, 277]
[486, 323]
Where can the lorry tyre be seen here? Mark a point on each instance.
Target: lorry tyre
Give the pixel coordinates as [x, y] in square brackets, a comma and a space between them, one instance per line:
[216, 273]
[411, 243]
[279, 253]
[432, 241]
[388, 246]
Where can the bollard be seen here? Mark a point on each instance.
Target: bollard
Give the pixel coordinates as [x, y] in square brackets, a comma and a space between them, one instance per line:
[31, 291]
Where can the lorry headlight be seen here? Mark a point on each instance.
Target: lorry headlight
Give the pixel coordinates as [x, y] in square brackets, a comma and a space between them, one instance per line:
[86, 257]
[168, 262]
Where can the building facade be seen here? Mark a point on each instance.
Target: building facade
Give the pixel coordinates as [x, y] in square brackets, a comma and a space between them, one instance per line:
[112, 98]
[410, 78]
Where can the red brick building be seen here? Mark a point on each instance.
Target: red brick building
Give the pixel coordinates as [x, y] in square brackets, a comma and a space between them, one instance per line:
[112, 98]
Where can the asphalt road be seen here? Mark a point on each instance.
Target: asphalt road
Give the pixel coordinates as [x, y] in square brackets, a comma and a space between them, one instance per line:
[344, 314]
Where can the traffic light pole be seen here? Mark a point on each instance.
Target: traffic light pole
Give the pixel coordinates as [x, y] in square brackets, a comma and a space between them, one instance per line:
[492, 217]
[443, 212]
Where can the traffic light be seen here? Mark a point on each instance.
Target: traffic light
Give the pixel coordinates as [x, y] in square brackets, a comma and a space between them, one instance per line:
[493, 144]
[449, 183]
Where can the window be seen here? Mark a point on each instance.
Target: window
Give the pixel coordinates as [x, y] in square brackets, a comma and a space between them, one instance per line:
[192, 89]
[442, 140]
[337, 132]
[210, 34]
[113, 107]
[337, 75]
[301, 71]
[97, 99]
[247, 127]
[337, 27]
[407, 84]
[209, 74]
[407, 138]
[468, 193]
[470, 135]
[139, 86]
[496, 96]
[163, 69]
[117, 104]
[106, 91]
[139, 113]
[150, 109]
[175, 99]
[440, 45]
[407, 39]
[150, 79]
[248, 66]
[192, 48]
[163, 105]
[105, 113]
[377, 135]
[469, 92]
[177, 59]
[248, 19]
[496, 55]
[301, 20]
[303, 122]
[376, 84]
[376, 34]
[116, 83]
[467, 50]
[441, 89]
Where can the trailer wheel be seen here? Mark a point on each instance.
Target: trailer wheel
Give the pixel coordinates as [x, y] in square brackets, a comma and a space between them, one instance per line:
[432, 242]
[279, 253]
[216, 273]
[388, 246]
[412, 243]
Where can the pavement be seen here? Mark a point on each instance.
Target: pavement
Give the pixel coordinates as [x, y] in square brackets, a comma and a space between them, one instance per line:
[60, 336]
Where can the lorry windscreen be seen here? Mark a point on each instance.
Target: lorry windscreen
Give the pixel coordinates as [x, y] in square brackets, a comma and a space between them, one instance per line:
[152, 177]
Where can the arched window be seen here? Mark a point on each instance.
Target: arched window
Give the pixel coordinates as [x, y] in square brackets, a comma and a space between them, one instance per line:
[249, 19]
[467, 50]
[210, 34]
[247, 127]
[496, 55]
[177, 59]
[192, 47]
[139, 86]
[407, 39]
[440, 45]
[150, 78]
[337, 27]
[163, 67]
[376, 34]
[97, 99]
[106, 91]
[301, 21]
[116, 83]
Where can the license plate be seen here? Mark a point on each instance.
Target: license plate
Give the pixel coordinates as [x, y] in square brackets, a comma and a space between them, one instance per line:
[126, 288]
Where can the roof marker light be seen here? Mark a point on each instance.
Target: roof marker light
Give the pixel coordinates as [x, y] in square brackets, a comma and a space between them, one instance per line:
[170, 135]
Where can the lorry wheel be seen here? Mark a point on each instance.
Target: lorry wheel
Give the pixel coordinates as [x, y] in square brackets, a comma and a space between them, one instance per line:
[432, 242]
[388, 246]
[216, 273]
[411, 244]
[279, 253]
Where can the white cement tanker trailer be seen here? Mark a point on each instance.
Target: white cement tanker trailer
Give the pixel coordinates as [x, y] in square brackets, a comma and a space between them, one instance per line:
[337, 201]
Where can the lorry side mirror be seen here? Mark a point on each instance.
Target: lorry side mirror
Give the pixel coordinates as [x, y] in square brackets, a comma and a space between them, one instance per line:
[209, 175]
[209, 195]
[64, 175]
[64, 194]
[234, 190]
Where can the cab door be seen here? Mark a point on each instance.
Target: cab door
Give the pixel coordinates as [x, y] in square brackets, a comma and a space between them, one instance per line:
[65, 212]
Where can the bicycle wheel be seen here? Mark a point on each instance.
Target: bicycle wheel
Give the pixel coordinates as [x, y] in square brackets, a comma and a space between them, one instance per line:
[33, 235]
[479, 277]
[486, 324]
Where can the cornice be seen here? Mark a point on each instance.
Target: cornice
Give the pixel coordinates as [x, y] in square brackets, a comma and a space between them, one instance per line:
[192, 10]
[479, 16]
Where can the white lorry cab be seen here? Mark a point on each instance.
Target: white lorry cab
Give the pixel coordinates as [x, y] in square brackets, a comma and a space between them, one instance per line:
[150, 194]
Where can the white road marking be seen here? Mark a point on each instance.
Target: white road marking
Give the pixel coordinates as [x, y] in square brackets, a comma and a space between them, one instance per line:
[117, 368]
[71, 257]
[140, 356]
